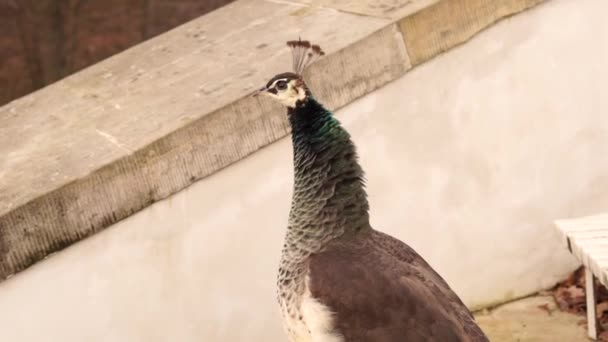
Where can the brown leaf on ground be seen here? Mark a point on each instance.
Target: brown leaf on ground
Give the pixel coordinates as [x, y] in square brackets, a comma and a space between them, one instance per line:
[575, 278]
[545, 307]
[570, 297]
[601, 309]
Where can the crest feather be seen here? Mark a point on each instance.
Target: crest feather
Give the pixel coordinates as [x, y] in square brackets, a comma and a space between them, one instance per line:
[303, 54]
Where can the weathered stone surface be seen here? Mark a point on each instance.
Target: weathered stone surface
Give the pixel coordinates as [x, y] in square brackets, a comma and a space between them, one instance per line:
[359, 68]
[451, 22]
[106, 142]
[393, 9]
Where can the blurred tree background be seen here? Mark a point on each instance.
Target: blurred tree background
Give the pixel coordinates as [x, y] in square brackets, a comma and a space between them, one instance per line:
[42, 41]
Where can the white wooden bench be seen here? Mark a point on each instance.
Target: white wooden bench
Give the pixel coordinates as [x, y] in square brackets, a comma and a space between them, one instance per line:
[587, 239]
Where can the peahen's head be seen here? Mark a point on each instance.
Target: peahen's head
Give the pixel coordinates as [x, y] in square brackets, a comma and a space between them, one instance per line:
[289, 88]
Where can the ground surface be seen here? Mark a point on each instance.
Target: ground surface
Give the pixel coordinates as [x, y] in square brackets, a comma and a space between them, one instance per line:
[532, 319]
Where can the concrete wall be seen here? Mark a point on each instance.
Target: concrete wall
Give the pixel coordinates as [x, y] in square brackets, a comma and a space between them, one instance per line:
[469, 158]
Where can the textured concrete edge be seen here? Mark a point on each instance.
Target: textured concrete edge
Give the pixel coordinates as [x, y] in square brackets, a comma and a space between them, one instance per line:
[118, 190]
[449, 23]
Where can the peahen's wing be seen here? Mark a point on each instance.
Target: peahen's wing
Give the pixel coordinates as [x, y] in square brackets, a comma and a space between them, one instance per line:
[381, 290]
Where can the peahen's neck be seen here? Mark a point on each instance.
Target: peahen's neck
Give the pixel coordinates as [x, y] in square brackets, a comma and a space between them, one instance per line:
[329, 199]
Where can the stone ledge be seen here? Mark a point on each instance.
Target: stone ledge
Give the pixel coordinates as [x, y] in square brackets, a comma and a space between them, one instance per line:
[102, 144]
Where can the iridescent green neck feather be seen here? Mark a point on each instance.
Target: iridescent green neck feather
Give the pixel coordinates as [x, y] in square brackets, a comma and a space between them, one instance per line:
[329, 198]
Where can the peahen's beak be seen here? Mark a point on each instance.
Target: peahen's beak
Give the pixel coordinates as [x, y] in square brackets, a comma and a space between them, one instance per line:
[260, 91]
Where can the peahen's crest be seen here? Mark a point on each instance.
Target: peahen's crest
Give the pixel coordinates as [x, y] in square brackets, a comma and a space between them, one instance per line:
[304, 53]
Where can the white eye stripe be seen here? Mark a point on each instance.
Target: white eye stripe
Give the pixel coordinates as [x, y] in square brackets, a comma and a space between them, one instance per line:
[276, 81]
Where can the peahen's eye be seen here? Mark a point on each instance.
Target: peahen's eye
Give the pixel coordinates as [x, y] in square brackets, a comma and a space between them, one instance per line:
[281, 85]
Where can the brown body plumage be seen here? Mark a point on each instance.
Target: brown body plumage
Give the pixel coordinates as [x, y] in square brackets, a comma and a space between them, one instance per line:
[387, 293]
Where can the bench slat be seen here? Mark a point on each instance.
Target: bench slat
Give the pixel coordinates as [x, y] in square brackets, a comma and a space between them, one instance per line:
[587, 238]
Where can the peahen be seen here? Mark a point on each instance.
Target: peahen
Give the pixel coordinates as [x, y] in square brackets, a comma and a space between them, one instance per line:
[339, 279]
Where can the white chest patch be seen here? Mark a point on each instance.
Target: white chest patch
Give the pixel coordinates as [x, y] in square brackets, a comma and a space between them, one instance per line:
[316, 324]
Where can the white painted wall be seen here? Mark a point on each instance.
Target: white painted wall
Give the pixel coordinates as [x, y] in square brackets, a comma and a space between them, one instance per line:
[469, 159]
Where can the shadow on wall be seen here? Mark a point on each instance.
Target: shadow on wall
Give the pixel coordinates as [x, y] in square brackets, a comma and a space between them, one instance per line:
[42, 41]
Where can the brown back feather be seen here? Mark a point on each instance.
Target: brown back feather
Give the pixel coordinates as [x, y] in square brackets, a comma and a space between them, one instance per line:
[381, 290]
